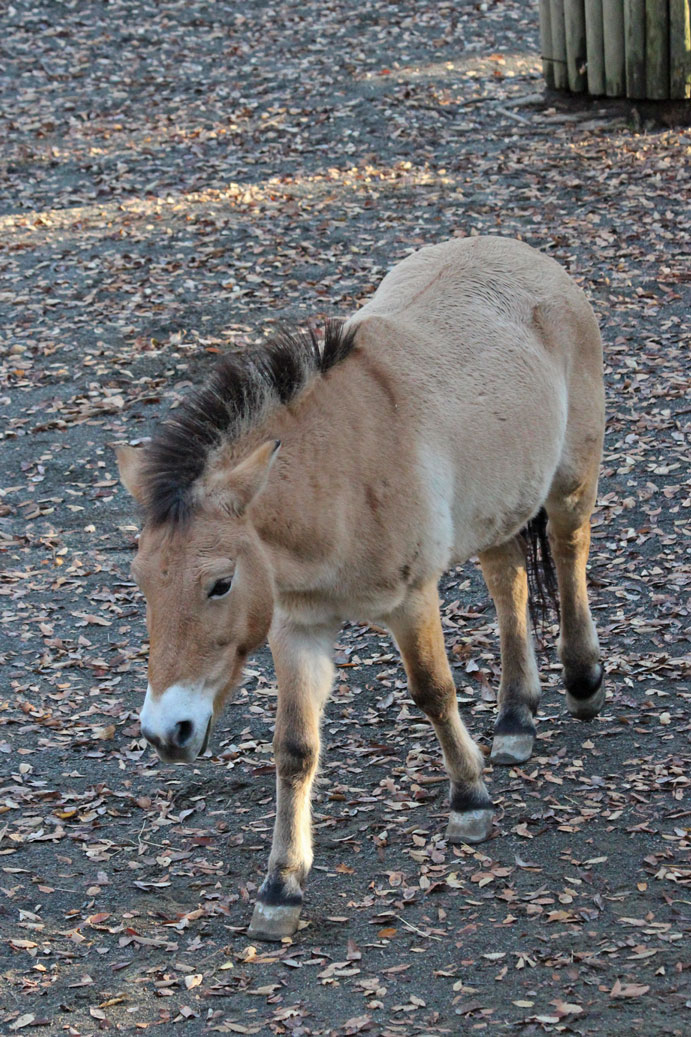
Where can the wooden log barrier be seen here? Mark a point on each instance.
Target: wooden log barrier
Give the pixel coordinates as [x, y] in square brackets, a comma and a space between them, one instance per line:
[595, 49]
[613, 35]
[622, 48]
[561, 79]
[680, 48]
[656, 49]
[546, 42]
[574, 25]
[634, 47]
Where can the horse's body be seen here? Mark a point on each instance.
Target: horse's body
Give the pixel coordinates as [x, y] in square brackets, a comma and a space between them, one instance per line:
[463, 398]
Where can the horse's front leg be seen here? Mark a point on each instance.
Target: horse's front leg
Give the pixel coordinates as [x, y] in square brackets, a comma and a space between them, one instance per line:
[304, 670]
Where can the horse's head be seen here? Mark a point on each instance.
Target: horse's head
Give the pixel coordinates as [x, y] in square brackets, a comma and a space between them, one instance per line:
[209, 599]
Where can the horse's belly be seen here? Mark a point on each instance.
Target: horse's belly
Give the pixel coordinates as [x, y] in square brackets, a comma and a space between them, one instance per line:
[482, 489]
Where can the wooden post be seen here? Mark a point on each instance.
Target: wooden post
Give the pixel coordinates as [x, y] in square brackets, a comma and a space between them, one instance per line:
[634, 40]
[561, 79]
[546, 43]
[574, 23]
[635, 48]
[680, 48]
[594, 47]
[656, 49]
[613, 35]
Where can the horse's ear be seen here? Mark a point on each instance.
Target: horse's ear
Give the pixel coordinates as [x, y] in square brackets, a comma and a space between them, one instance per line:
[130, 460]
[237, 489]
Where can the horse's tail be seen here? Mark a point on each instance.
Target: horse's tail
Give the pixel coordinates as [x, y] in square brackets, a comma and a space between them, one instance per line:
[542, 577]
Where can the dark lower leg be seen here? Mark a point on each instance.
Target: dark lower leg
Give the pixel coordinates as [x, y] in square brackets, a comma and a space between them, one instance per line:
[279, 900]
[519, 690]
[304, 671]
[417, 629]
[578, 646]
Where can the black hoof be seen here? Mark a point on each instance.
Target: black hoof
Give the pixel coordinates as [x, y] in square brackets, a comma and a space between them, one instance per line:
[473, 797]
[514, 736]
[471, 815]
[472, 826]
[510, 749]
[274, 922]
[585, 691]
[515, 720]
[277, 911]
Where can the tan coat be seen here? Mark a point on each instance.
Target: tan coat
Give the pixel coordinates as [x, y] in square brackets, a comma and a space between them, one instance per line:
[468, 402]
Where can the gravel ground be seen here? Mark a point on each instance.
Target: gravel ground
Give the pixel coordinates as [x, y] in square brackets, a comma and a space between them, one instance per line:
[176, 177]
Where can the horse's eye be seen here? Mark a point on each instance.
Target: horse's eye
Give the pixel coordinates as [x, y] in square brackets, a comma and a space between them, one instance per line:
[220, 588]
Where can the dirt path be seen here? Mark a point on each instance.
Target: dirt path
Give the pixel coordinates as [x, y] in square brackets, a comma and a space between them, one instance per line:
[177, 176]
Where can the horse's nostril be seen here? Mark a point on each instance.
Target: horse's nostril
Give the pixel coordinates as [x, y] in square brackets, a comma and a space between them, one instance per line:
[183, 732]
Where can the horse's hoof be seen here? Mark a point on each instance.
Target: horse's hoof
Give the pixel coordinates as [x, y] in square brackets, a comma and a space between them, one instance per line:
[273, 922]
[507, 749]
[586, 709]
[585, 698]
[470, 826]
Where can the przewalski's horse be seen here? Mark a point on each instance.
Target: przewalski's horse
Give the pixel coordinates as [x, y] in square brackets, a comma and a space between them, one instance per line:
[304, 486]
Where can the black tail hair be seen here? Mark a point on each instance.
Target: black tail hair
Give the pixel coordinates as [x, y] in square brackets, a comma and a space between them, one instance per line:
[542, 578]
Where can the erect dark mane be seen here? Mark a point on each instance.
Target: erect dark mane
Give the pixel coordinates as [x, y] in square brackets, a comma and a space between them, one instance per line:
[241, 390]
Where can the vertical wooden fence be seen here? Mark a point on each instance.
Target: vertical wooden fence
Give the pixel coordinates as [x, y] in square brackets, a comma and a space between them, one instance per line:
[620, 48]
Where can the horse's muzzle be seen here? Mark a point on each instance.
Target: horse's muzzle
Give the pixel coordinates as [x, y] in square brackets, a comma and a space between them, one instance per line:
[177, 724]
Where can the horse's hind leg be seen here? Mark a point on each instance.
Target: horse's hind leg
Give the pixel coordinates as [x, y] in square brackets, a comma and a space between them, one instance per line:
[504, 569]
[569, 535]
[416, 625]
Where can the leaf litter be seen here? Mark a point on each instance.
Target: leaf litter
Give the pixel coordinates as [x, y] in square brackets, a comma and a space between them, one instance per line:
[176, 179]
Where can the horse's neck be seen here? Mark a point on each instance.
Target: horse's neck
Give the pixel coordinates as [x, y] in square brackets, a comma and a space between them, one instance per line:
[318, 511]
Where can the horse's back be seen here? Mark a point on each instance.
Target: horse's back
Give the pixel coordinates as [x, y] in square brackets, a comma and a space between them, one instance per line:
[489, 342]
[489, 280]
[485, 315]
